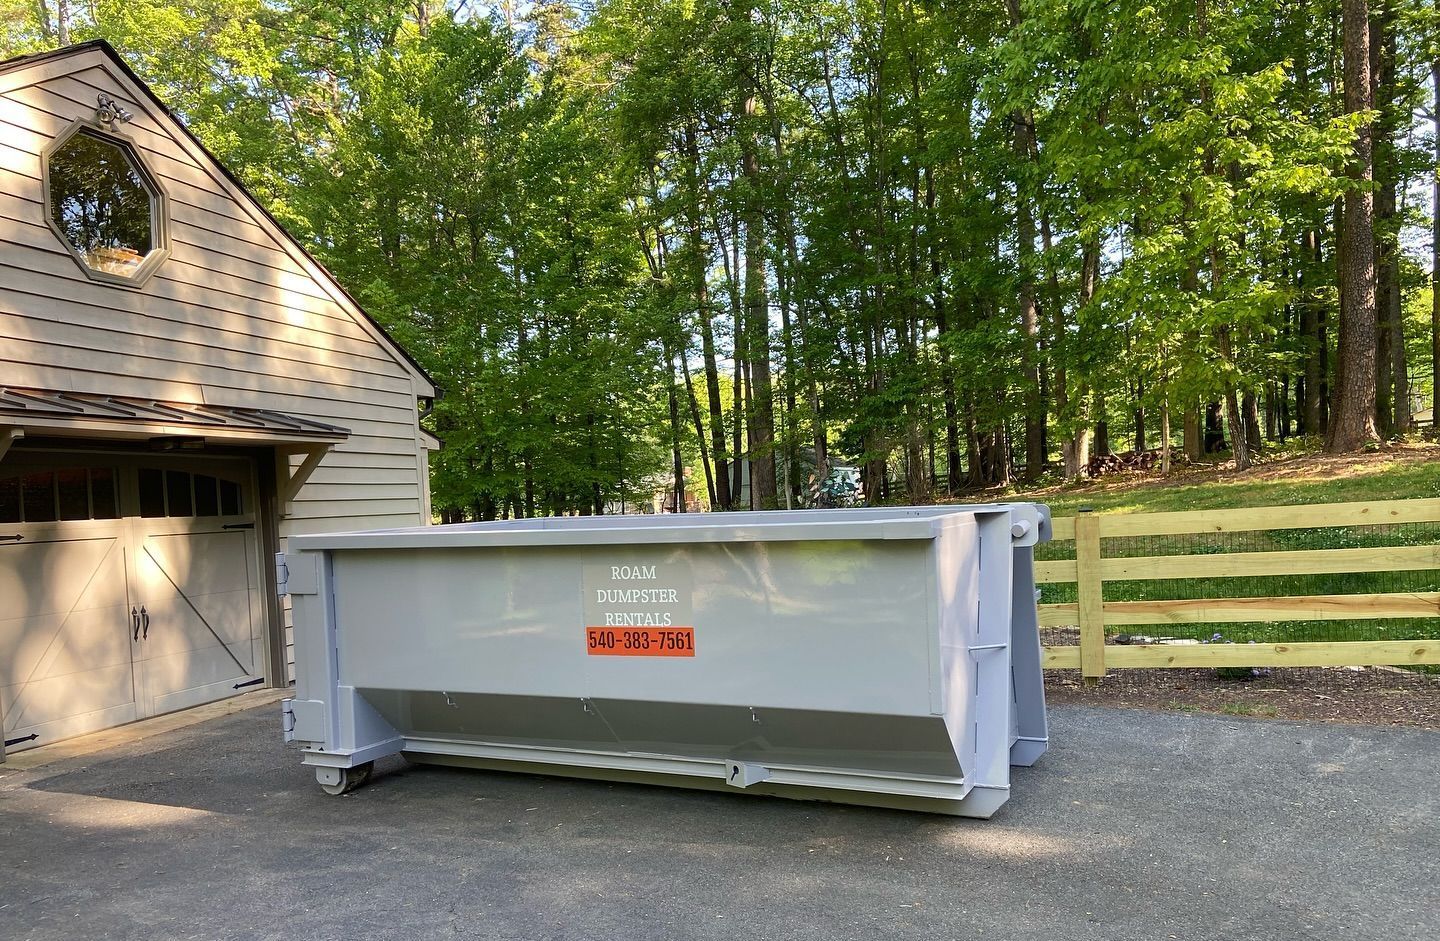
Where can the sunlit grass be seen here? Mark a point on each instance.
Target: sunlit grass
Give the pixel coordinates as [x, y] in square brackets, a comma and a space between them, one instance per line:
[1411, 472]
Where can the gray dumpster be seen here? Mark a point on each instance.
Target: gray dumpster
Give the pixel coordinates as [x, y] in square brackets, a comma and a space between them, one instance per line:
[876, 656]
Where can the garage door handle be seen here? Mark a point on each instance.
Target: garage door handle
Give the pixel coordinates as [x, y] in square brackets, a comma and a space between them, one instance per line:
[135, 616]
[15, 538]
[238, 526]
[145, 618]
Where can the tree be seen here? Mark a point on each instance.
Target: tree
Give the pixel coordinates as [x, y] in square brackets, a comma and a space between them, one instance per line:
[930, 241]
[1352, 422]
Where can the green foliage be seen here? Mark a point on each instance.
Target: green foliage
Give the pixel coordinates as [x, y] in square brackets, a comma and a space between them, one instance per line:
[558, 208]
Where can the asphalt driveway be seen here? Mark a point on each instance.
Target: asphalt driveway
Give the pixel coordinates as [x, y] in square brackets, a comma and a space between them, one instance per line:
[1136, 825]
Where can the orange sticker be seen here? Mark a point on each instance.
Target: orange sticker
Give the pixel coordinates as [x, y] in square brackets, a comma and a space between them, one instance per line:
[640, 641]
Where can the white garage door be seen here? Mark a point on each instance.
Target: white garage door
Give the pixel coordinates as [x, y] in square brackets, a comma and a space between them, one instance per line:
[128, 587]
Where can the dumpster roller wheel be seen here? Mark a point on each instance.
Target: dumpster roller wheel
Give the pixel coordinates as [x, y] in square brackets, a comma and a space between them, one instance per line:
[348, 778]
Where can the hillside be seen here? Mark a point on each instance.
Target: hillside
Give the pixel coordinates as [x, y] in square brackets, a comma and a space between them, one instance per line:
[1409, 471]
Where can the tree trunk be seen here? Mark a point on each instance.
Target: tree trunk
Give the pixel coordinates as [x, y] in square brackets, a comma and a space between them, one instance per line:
[1394, 312]
[1102, 426]
[947, 380]
[699, 432]
[1239, 440]
[1309, 390]
[1194, 442]
[1077, 447]
[1250, 414]
[757, 327]
[1352, 422]
[677, 461]
[1165, 434]
[1399, 364]
[721, 499]
[1058, 376]
[1140, 442]
[1386, 234]
[1273, 400]
[1285, 410]
[1024, 135]
[1312, 333]
[1214, 429]
[802, 324]
[47, 30]
[1435, 259]
[737, 425]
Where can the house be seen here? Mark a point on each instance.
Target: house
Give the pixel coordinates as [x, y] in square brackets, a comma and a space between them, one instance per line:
[182, 387]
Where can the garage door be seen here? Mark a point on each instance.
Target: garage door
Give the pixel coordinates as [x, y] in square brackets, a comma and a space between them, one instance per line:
[131, 588]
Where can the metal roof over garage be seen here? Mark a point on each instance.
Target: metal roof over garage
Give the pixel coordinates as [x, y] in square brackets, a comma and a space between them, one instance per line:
[50, 410]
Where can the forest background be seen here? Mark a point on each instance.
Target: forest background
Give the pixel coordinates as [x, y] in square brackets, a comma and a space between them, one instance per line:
[647, 245]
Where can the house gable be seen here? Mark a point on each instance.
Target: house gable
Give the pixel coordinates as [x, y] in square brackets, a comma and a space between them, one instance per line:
[237, 316]
[213, 214]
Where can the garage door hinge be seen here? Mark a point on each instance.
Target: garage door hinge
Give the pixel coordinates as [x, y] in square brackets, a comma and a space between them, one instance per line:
[24, 738]
[255, 682]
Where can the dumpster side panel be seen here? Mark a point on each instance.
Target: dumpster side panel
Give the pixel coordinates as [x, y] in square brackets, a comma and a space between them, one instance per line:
[796, 655]
[991, 654]
[957, 578]
[316, 676]
[862, 742]
[838, 625]
[1028, 679]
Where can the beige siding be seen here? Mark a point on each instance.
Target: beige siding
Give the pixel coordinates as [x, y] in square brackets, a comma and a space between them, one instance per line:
[236, 316]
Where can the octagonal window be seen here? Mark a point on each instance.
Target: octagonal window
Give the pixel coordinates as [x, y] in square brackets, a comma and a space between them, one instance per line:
[103, 204]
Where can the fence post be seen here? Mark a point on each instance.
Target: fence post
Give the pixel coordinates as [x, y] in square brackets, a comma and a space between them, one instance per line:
[1089, 591]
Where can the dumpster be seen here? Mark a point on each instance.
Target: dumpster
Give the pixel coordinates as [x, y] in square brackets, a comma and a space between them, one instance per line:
[875, 656]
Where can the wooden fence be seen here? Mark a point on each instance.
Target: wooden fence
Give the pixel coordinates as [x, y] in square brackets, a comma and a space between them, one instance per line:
[1091, 569]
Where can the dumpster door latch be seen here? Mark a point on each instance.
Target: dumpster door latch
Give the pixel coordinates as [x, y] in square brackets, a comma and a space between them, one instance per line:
[744, 774]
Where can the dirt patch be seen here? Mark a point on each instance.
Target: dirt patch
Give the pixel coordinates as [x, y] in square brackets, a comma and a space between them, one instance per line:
[1360, 695]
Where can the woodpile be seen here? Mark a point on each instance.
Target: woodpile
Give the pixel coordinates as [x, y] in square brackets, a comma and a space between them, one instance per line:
[1102, 464]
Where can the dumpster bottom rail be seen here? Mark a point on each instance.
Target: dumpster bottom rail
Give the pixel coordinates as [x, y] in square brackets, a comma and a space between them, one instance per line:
[905, 792]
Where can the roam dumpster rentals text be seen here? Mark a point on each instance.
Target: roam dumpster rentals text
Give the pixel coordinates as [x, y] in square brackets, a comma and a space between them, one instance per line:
[638, 609]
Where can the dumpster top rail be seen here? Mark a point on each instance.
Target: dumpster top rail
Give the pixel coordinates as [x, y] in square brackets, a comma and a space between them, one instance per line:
[1032, 521]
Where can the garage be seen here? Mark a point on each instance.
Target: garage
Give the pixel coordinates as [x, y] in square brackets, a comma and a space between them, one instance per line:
[182, 388]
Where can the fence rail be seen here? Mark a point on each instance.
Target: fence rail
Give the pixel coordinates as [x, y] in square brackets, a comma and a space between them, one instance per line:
[1092, 568]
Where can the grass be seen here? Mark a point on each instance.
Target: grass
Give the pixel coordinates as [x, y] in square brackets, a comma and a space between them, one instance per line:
[1401, 472]
[1251, 710]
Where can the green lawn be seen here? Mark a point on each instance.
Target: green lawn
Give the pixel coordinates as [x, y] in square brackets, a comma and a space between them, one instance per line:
[1404, 474]
[1412, 473]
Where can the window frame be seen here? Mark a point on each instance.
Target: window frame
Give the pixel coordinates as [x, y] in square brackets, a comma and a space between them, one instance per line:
[159, 204]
